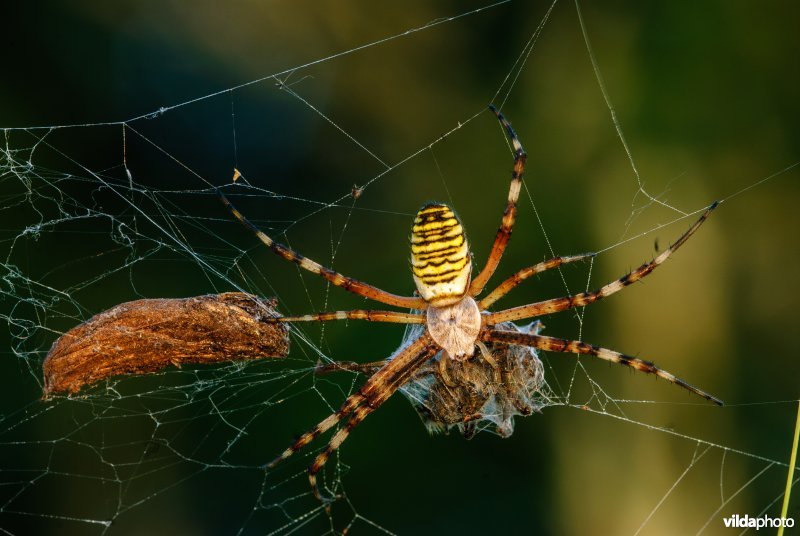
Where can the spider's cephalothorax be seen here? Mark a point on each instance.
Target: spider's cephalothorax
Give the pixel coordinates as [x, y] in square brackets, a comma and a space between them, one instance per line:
[442, 267]
[455, 327]
[453, 322]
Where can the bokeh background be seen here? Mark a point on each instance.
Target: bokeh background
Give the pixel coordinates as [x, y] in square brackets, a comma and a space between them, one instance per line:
[707, 98]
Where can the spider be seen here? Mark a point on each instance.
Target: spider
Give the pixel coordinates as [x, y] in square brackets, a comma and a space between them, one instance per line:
[453, 319]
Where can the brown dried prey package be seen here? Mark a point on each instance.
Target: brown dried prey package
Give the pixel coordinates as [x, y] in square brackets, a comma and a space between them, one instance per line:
[146, 336]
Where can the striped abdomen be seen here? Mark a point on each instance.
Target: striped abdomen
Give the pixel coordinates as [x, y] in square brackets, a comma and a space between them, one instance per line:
[440, 258]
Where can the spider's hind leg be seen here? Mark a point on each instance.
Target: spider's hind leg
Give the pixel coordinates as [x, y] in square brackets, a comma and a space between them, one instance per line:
[335, 278]
[509, 214]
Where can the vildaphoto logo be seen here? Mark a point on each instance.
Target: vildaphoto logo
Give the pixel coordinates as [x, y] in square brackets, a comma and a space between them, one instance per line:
[764, 522]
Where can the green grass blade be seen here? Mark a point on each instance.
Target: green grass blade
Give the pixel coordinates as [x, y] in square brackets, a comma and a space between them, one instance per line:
[790, 476]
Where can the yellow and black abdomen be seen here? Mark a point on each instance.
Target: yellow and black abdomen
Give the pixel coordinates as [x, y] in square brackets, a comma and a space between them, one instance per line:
[440, 258]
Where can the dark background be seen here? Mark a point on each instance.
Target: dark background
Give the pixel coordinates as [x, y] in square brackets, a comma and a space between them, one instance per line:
[707, 98]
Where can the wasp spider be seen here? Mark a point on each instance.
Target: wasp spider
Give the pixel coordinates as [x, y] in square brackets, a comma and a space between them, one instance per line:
[455, 321]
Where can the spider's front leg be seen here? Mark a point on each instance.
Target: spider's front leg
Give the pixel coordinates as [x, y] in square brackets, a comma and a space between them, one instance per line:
[553, 344]
[356, 314]
[350, 366]
[375, 391]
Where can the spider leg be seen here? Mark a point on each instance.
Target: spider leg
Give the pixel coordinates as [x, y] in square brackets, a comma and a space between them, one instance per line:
[585, 298]
[506, 286]
[487, 356]
[552, 344]
[374, 392]
[510, 213]
[363, 368]
[357, 314]
[379, 392]
[350, 366]
[335, 278]
[378, 380]
[338, 438]
[441, 368]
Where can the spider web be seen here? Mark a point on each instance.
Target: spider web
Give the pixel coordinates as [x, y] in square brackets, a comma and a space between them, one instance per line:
[631, 129]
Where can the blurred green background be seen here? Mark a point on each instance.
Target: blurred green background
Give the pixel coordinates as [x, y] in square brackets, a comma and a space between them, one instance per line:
[707, 98]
